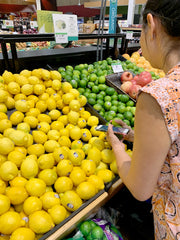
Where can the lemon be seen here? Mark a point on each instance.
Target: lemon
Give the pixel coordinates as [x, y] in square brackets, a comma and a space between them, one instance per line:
[39, 89]
[67, 98]
[20, 96]
[51, 145]
[70, 200]
[54, 114]
[20, 79]
[97, 181]
[80, 151]
[32, 204]
[16, 117]
[75, 157]
[19, 137]
[107, 156]
[40, 222]
[35, 187]
[63, 119]
[37, 72]
[99, 144]
[60, 104]
[21, 150]
[59, 154]
[39, 137]
[43, 127]
[113, 167]
[36, 149]
[32, 121]
[53, 135]
[16, 157]
[23, 234]
[27, 89]
[76, 144]
[33, 80]
[7, 131]
[85, 115]
[29, 141]
[86, 147]
[57, 125]
[64, 132]
[64, 168]
[8, 77]
[18, 182]
[86, 190]
[51, 104]
[3, 116]
[3, 158]
[106, 175]
[82, 100]
[88, 166]
[31, 103]
[29, 168]
[25, 73]
[45, 74]
[65, 110]
[93, 121]
[41, 105]
[49, 189]
[63, 184]
[3, 95]
[13, 88]
[75, 133]
[58, 213]
[23, 127]
[94, 154]
[2, 186]
[49, 176]
[3, 108]
[75, 92]
[4, 204]
[55, 75]
[17, 195]
[10, 221]
[64, 141]
[8, 170]
[81, 123]
[33, 112]
[101, 165]
[69, 126]
[94, 131]
[49, 90]
[56, 85]
[103, 136]
[85, 135]
[44, 96]
[66, 86]
[4, 124]
[18, 208]
[74, 105]
[46, 161]
[56, 96]
[73, 117]
[49, 199]
[10, 102]
[22, 105]
[77, 175]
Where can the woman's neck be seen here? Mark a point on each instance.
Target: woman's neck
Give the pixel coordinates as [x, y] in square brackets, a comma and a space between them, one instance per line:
[172, 59]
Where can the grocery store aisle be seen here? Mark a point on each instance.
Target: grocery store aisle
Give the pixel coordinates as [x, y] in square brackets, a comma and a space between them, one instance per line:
[134, 219]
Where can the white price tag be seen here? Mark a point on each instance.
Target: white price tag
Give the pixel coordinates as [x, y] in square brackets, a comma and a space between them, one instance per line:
[129, 35]
[117, 67]
[61, 38]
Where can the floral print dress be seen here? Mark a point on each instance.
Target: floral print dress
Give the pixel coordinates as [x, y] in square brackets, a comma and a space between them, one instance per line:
[166, 198]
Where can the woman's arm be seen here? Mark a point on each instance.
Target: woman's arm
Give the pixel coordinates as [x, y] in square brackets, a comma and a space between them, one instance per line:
[150, 148]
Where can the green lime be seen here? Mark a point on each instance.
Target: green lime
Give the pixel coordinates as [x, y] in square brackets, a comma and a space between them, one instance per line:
[75, 77]
[102, 79]
[128, 115]
[114, 123]
[68, 72]
[102, 87]
[121, 109]
[92, 223]
[114, 102]
[81, 90]
[123, 98]
[120, 116]
[100, 101]
[107, 98]
[61, 69]
[97, 232]
[68, 78]
[84, 77]
[92, 95]
[92, 77]
[99, 96]
[89, 237]
[133, 110]
[88, 90]
[85, 72]
[110, 91]
[74, 83]
[86, 94]
[112, 113]
[96, 82]
[101, 113]
[76, 72]
[114, 97]
[90, 84]
[91, 101]
[82, 83]
[103, 93]
[63, 74]
[70, 68]
[95, 89]
[127, 122]
[107, 105]
[81, 67]
[128, 108]
[114, 108]
[130, 103]
[97, 107]
[85, 228]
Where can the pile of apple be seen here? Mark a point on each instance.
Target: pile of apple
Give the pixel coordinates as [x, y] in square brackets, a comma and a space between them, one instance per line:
[131, 85]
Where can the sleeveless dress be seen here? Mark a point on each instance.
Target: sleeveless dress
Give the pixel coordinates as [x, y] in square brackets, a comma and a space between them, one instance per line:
[166, 198]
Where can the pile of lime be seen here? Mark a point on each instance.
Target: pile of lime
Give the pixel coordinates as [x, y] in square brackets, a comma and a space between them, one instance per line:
[91, 230]
[90, 81]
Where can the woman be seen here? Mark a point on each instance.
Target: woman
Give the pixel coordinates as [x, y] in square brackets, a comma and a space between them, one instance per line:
[155, 166]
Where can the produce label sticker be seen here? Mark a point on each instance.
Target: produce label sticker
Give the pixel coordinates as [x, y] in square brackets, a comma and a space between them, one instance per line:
[117, 67]
[129, 35]
[61, 37]
[67, 25]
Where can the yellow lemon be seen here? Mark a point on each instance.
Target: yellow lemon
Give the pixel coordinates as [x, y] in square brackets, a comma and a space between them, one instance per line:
[64, 141]
[39, 137]
[85, 115]
[29, 141]
[20, 79]
[63, 184]
[66, 86]
[60, 104]
[85, 135]
[75, 157]
[64, 132]
[27, 89]
[17, 195]
[36, 149]
[23, 234]
[107, 156]
[8, 77]
[95, 155]
[60, 154]
[36, 72]
[33, 80]
[3, 108]
[75, 92]
[93, 121]
[73, 117]
[82, 100]
[86, 147]
[21, 150]
[49, 176]
[113, 167]
[74, 105]
[22, 105]
[3, 95]
[40, 222]
[41, 105]
[51, 104]
[4, 204]
[81, 123]
[98, 143]
[29, 168]
[7, 131]
[75, 133]
[18, 182]
[67, 98]
[49, 90]
[44, 96]
[70, 200]
[94, 131]
[63, 119]
[16, 117]
[88, 166]
[32, 121]
[76, 144]
[23, 127]
[13, 88]
[97, 181]
[49, 199]
[2, 186]
[101, 165]
[25, 73]
[54, 114]
[3, 116]
[77, 175]
[64, 168]
[106, 175]
[55, 75]
[39, 89]
[33, 112]
[57, 125]
[58, 213]
[10, 102]
[10, 221]
[46, 161]
[6, 146]
[53, 135]
[86, 190]
[32, 204]
[103, 136]
[8, 170]
[19, 137]
[19, 96]
[65, 110]
[56, 96]
[43, 127]
[51, 145]
[4, 124]
[16, 157]
[45, 74]
[56, 85]
[35, 187]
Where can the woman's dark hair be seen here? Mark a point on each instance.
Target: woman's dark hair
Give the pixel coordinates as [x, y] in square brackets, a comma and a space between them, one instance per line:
[168, 11]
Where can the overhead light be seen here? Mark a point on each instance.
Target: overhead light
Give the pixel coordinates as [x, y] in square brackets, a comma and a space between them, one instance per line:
[79, 2]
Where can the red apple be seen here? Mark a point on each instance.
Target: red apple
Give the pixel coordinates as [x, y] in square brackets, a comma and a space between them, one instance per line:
[133, 91]
[126, 76]
[144, 78]
[125, 86]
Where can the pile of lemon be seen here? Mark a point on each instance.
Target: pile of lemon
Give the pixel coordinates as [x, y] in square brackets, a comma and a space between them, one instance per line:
[52, 159]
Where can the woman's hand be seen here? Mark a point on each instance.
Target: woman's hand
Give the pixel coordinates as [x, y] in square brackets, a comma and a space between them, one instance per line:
[113, 139]
[130, 136]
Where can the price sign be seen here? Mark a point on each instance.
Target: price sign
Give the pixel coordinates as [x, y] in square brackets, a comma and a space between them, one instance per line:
[117, 67]
[129, 35]
[61, 38]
